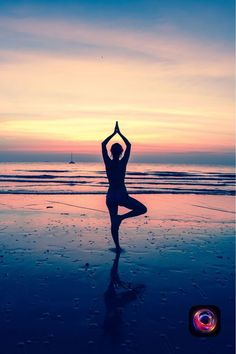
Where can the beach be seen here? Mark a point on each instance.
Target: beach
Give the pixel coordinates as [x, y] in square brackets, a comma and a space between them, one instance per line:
[57, 263]
[117, 177]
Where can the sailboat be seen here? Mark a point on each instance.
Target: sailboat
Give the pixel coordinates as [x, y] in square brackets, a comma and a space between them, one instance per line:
[71, 159]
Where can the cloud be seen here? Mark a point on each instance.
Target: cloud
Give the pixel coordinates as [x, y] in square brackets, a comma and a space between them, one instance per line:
[178, 53]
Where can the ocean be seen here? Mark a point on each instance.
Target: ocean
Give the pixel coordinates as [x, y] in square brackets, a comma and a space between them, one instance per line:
[90, 178]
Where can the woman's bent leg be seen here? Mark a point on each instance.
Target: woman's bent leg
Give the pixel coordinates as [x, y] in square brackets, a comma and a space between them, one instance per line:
[137, 208]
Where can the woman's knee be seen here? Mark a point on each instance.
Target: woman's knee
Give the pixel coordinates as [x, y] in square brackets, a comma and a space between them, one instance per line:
[143, 209]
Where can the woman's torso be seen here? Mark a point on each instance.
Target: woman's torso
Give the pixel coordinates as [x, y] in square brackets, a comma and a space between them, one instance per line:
[115, 171]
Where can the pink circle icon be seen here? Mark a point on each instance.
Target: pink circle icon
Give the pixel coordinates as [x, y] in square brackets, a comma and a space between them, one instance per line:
[205, 320]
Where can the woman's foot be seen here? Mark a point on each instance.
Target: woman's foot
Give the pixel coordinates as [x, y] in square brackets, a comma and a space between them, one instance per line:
[117, 250]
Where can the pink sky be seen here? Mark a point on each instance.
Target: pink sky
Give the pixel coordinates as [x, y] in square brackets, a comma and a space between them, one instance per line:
[169, 91]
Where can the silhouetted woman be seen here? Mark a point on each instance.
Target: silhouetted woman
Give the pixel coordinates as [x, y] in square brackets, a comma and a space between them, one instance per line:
[117, 193]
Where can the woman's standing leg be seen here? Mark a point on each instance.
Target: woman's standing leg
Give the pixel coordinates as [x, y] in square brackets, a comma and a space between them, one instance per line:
[115, 221]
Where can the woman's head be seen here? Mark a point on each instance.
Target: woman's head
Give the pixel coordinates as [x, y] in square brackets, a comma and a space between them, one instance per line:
[116, 150]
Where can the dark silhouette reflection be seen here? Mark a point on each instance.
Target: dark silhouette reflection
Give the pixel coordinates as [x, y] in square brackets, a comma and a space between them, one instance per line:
[118, 294]
[117, 193]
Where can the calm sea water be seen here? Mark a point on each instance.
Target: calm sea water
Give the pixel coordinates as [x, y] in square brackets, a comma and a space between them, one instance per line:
[90, 178]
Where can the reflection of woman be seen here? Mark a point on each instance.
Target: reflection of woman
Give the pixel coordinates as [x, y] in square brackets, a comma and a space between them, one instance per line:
[115, 300]
[117, 193]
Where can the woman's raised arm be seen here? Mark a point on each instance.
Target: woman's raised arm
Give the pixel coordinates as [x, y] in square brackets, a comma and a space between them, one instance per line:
[104, 147]
[127, 143]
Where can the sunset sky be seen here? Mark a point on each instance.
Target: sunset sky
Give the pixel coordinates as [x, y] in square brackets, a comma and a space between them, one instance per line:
[163, 69]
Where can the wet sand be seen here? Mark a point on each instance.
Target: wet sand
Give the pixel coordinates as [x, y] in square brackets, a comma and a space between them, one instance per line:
[55, 275]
